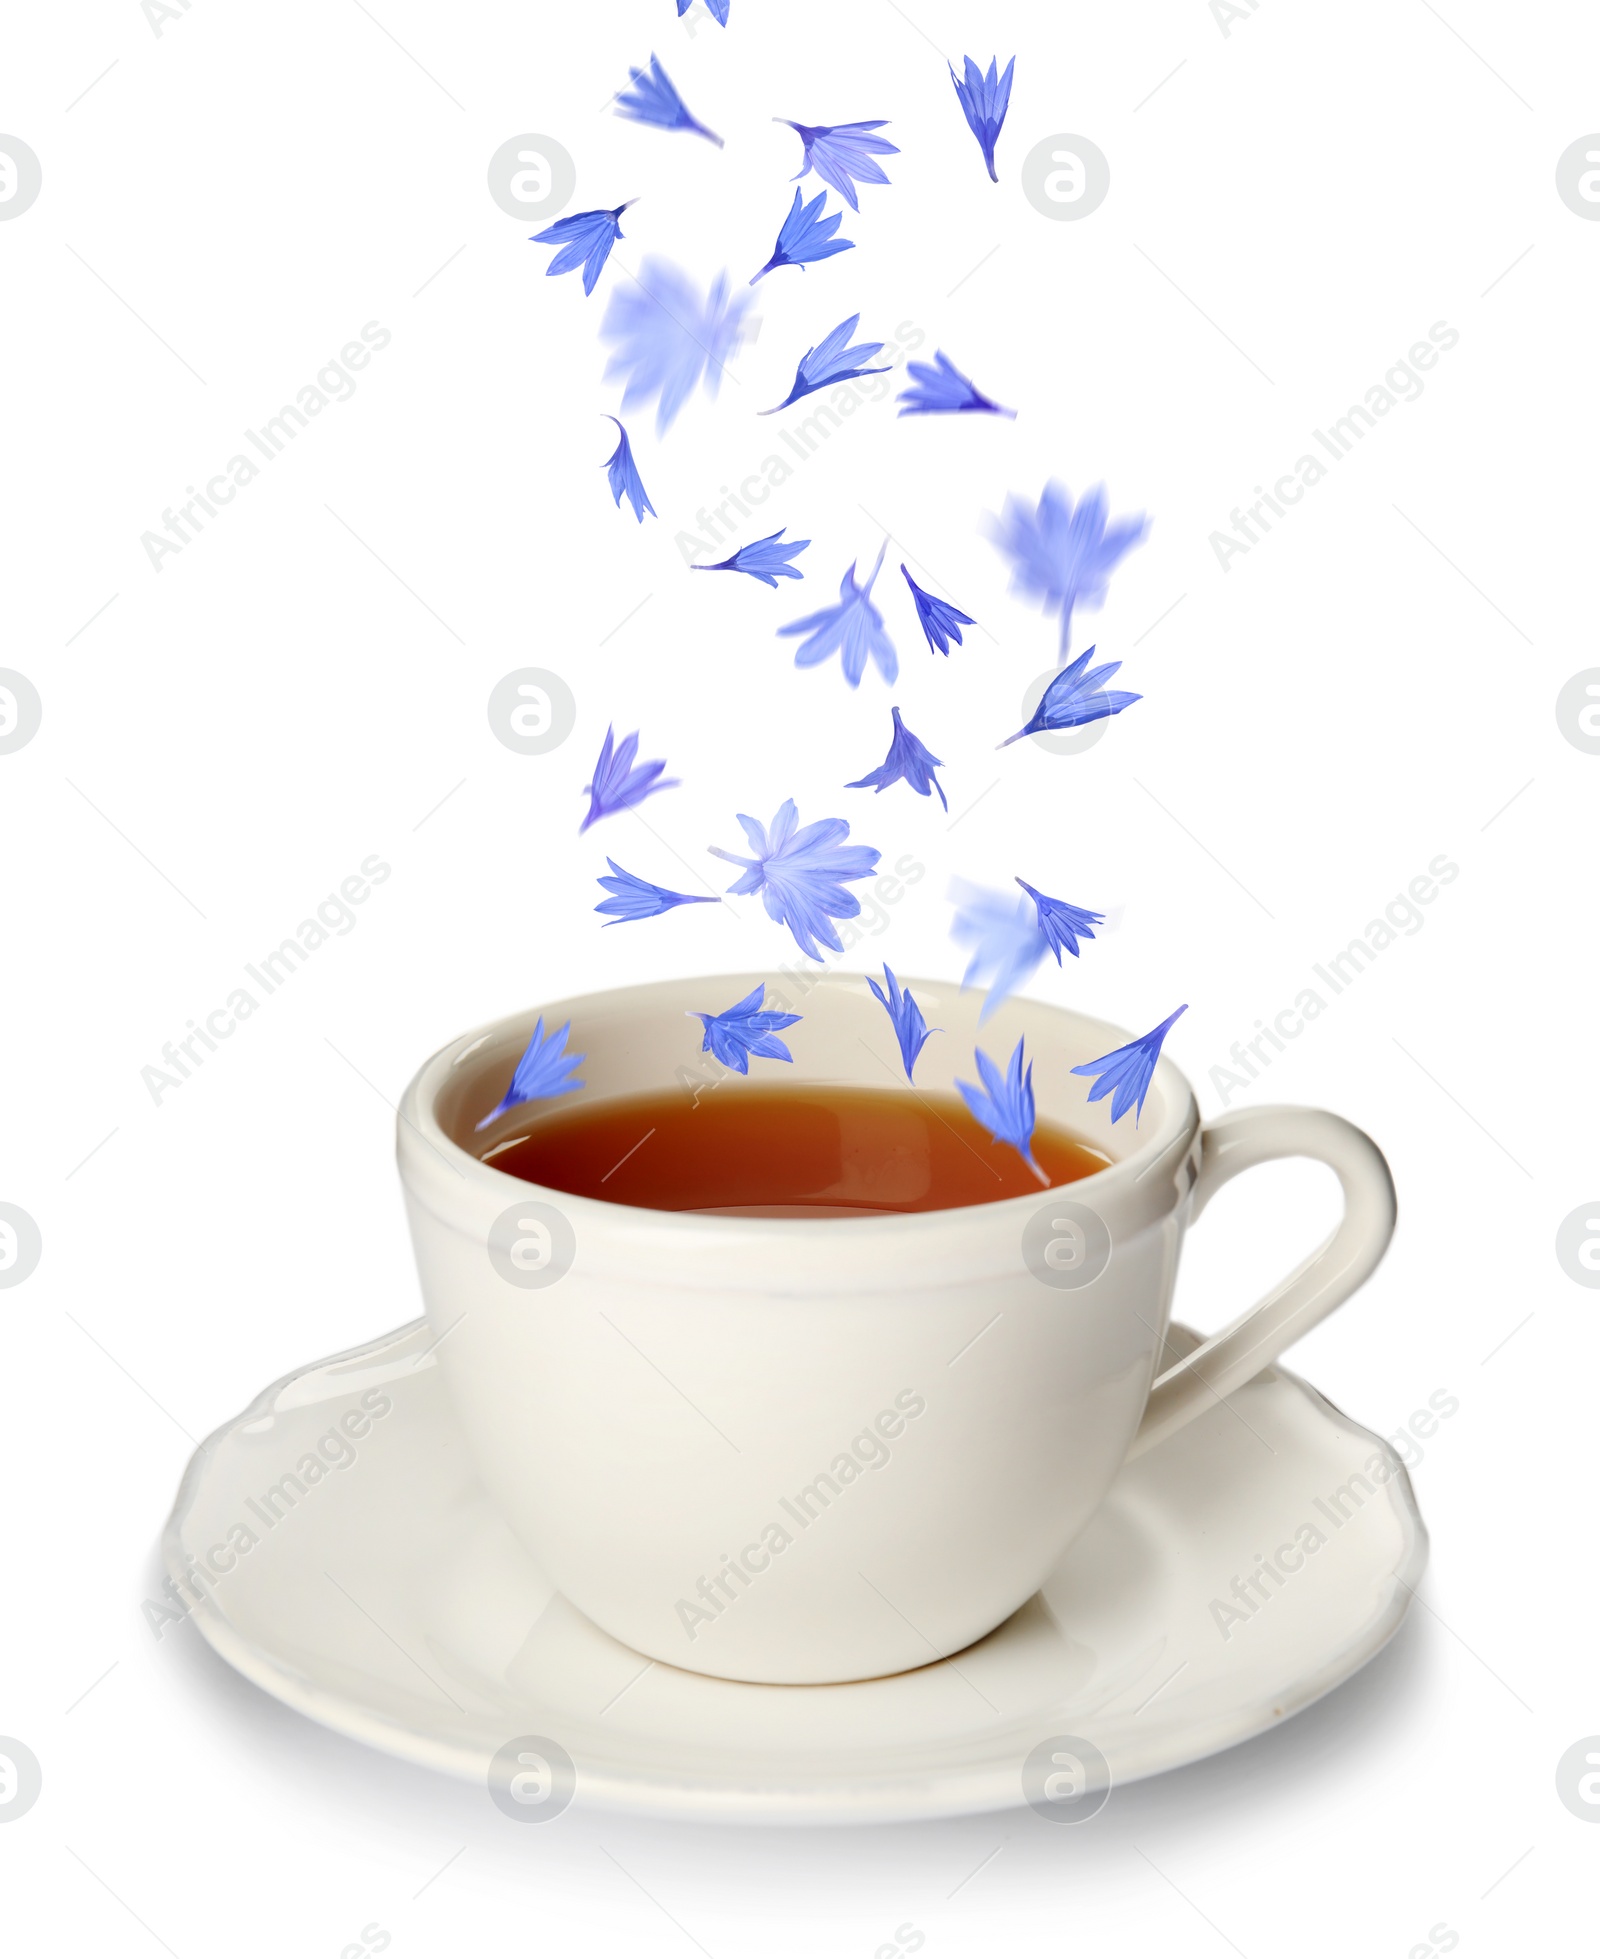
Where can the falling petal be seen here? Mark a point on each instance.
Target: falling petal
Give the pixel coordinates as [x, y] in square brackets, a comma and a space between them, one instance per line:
[1004, 936]
[618, 784]
[623, 475]
[1124, 1073]
[853, 628]
[1004, 1105]
[585, 239]
[652, 99]
[667, 340]
[907, 761]
[766, 559]
[944, 390]
[1062, 924]
[842, 154]
[1063, 556]
[984, 100]
[832, 359]
[744, 1033]
[801, 874]
[940, 621]
[910, 1029]
[806, 236]
[635, 897]
[543, 1071]
[1074, 698]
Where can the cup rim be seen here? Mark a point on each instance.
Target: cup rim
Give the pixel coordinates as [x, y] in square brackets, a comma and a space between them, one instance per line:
[419, 1133]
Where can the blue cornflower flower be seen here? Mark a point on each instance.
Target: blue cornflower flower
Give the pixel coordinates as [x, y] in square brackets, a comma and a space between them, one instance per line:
[945, 390]
[941, 621]
[907, 761]
[1004, 1105]
[623, 475]
[801, 874]
[1128, 1069]
[543, 1071]
[842, 153]
[666, 337]
[1062, 924]
[637, 897]
[585, 239]
[984, 100]
[718, 10]
[910, 1029]
[654, 100]
[853, 628]
[1004, 934]
[617, 783]
[806, 236]
[1075, 697]
[832, 359]
[744, 1033]
[766, 559]
[1062, 556]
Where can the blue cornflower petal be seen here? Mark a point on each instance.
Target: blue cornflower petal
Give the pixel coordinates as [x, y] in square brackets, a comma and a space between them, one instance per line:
[842, 154]
[907, 761]
[801, 874]
[653, 99]
[853, 628]
[766, 559]
[807, 237]
[910, 1029]
[940, 621]
[1074, 698]
[585, 239]
[1063, 556]
[832, 359]
[543, 1071]
[718, 10]
[984, 100]
[1125, 1072]
[1062, 924]
[744, 1033]
[945, 390]
[617, 783]
[623, 475]
[636, 897]
[1004, 1105]
[666, 338]
[1004, 934]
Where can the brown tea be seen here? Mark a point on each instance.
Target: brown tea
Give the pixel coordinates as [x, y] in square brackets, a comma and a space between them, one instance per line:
[785, 1152]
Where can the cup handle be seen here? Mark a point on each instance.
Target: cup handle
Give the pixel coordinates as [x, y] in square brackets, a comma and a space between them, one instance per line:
[1326, 1279]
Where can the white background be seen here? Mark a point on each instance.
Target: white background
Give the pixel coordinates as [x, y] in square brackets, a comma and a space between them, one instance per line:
[1374, 684]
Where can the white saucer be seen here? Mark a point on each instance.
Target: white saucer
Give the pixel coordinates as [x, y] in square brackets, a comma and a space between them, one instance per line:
[391, 1603]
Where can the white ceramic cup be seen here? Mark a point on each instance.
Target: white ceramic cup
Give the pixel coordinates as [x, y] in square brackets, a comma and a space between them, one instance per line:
[832, 1448]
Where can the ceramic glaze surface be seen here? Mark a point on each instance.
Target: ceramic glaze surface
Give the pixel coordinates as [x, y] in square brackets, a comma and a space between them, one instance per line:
[1123, 1645]
[829, 1449]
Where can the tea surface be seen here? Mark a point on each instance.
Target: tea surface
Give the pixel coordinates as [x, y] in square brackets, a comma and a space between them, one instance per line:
[785, 1152]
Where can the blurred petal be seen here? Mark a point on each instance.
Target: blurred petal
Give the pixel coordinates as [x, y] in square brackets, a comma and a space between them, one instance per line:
[942, 389]
[853, 629]
[652, 99]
